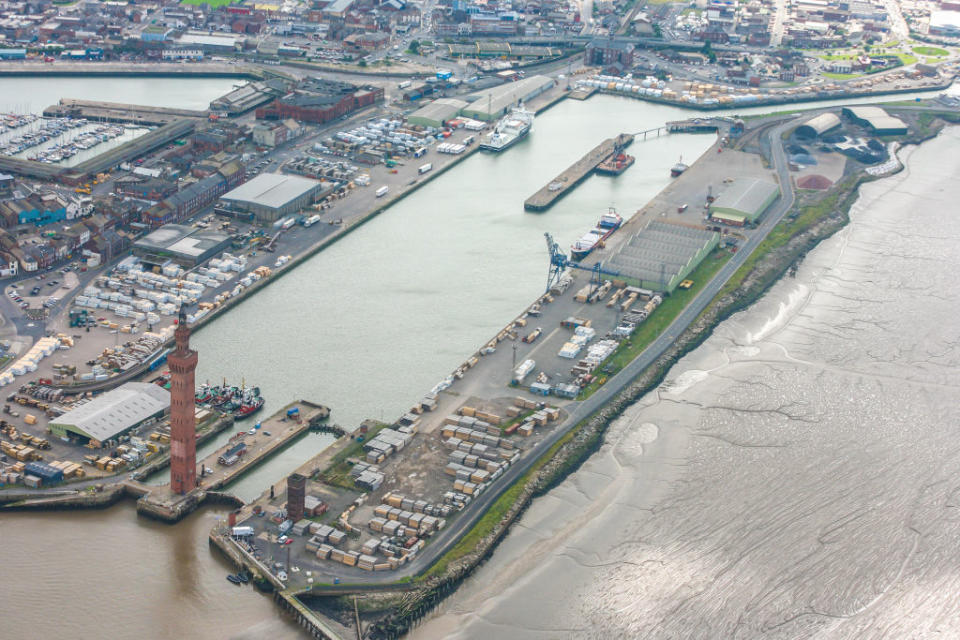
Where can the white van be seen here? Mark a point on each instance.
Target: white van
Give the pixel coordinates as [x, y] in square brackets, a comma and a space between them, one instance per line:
[382, 191]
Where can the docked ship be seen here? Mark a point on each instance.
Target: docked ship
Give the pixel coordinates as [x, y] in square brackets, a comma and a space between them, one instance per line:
[240, 401]
[678, 168]
[250, 402]
[616, 164]
[606, 225]
[512, 128]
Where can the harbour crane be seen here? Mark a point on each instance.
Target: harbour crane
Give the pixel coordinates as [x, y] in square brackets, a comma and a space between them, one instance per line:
[559, 262]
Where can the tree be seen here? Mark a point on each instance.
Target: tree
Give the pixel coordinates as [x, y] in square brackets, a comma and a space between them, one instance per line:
[707, 50]
[414, 47]
[657, 31]
[362, 63]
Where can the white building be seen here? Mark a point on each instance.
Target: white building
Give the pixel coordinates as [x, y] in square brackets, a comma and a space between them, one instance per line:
[183, 53]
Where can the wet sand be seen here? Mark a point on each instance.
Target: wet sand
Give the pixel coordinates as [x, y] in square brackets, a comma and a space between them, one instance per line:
[797, 476]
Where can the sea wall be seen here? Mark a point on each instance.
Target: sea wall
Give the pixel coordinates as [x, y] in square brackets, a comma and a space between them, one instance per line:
[754, 280]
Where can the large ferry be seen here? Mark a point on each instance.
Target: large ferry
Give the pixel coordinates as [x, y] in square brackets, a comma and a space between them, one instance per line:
[606, 225]
[510, 129]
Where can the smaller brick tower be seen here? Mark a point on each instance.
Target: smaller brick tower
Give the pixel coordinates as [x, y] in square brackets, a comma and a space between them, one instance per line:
[296, 494]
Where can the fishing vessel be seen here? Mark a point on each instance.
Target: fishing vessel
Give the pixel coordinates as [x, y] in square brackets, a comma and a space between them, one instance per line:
[512, 128]
[606, 225]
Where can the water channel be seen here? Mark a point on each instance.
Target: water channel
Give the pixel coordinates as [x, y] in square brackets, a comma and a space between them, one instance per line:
[794, 477]
[366, 327]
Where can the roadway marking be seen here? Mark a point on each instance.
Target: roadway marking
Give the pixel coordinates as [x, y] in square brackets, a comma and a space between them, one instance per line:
[543, 342]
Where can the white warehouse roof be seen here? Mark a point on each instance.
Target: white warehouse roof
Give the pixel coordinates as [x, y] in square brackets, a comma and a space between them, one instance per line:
[876, 117]
[822, 123]
[116, 411]
[495, 100]
[272, 190]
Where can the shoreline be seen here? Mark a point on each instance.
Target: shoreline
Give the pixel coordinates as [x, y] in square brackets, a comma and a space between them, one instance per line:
[257, 73]
[587, 436]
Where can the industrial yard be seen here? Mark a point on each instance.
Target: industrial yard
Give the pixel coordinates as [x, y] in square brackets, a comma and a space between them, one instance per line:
[380, 498]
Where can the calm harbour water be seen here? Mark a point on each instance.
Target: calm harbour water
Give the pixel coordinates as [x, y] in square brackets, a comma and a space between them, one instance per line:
[365, 327]
[795, 477]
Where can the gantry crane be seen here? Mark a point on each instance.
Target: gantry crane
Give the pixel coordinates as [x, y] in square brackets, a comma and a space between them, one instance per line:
[560, 262]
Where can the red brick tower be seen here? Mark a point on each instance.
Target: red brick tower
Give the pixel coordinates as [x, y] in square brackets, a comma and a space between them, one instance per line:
[183, 429]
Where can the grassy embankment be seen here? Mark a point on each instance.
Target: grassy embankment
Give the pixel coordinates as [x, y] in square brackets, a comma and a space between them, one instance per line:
[338, 471]
[660, 319]
[493, 516]
[650, 329]
[778, 237]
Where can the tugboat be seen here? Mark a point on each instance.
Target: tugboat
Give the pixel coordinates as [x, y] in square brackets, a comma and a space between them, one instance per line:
[205, 393]
[250, 402]
[678, 168]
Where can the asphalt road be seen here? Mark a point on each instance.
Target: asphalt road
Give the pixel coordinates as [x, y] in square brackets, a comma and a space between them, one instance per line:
[581, 410]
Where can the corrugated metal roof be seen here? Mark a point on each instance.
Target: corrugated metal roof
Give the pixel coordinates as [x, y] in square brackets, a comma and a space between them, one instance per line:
[272, 190]
[495, 100]
[116, 411]
[746, 195]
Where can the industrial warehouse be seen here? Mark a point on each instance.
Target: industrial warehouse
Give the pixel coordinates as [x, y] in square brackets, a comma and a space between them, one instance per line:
[437, 113]
[661, 254]
[818, 125]
[876, 120]
[270, 196]
[744, 201]
[494, 103]
[187, 246]
[113, 414]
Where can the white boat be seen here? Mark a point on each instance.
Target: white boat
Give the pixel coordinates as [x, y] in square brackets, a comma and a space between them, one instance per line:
[512, 128]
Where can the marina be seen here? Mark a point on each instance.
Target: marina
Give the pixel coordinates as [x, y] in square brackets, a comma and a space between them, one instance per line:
[576, 173]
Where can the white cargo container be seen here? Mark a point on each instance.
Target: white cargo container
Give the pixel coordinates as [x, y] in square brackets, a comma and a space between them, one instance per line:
[424, 168]
[523, 370]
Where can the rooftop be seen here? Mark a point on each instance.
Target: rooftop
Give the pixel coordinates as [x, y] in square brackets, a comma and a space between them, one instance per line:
[116, 411]
[181, 239]
[499, 98]
[746, 195]
[272, 189]
[660, 251]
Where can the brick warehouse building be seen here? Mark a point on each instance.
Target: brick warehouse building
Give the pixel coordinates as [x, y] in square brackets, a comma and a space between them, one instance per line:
[320, 101]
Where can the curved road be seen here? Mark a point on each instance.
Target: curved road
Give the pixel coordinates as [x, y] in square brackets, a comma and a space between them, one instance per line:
[581, 410]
